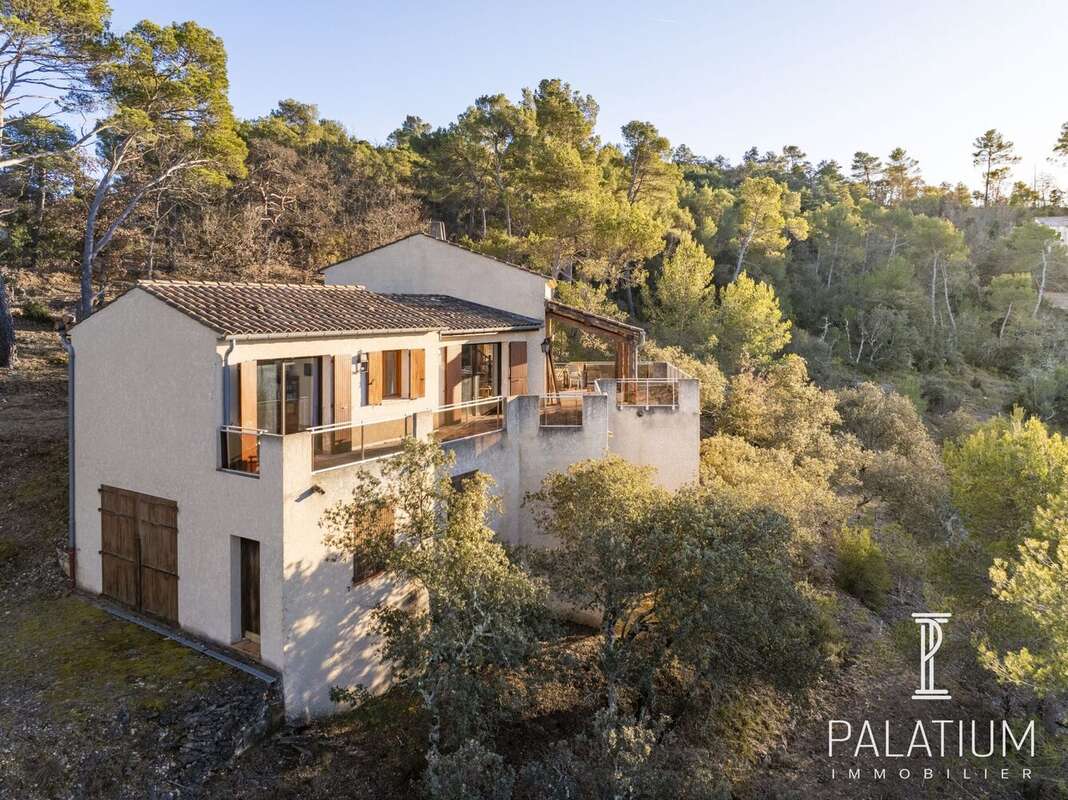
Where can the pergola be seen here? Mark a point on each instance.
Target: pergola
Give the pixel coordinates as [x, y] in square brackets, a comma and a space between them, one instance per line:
[626, 338]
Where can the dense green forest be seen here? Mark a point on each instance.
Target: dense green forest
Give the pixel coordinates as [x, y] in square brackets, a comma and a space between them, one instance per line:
[884, 379]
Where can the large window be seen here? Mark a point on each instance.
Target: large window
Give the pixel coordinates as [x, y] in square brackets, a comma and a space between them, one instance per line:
[481, 371]
[287, 395]
[391, 373]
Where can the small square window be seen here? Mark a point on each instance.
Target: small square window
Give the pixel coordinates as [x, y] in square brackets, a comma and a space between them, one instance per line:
[370, 561]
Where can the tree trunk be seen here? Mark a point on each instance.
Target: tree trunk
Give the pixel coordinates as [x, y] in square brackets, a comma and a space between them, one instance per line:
[949, 309]
[741, 255]
[1004, 322]
[934, 277]
[1042, 280]
[85, 308]
[7, 328]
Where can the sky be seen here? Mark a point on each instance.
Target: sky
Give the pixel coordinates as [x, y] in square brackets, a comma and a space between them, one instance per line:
[829, 77]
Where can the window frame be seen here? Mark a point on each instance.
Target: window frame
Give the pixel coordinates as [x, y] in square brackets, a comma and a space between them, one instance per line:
[394, 358]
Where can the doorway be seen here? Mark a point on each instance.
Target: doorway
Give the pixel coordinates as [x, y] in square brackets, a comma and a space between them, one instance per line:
[250, 590]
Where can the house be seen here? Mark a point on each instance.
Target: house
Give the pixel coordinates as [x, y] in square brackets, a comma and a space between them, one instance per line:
[213, 423]
[1059, 224]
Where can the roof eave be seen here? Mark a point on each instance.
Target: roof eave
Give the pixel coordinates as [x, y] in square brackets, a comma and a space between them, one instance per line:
[259, 337]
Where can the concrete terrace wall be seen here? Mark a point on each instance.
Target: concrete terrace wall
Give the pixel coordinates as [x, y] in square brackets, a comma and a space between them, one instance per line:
[668, 439]
[521, 456]
[148, 405]
[423, 265]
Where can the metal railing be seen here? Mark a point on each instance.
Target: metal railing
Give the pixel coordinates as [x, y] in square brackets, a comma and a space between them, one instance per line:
[648, 392]
[470, 418]
[352, 442]
[583, 375]
[240, 449]
[563, 410]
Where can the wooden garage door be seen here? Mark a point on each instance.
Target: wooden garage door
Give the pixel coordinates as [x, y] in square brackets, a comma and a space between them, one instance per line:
[139, 551]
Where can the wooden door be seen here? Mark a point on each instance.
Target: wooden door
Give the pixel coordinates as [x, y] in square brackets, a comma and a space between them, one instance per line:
[120, 550]
[517, 368]
[139, 551]
[250, 589]
[158, 522]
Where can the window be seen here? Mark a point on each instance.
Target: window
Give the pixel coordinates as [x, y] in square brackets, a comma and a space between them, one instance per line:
[480, 370]
[458, 481]
[287, 395]
[376, 540]
[391, 373]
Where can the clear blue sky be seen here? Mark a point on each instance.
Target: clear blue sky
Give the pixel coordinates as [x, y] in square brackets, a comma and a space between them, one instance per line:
[830, 77]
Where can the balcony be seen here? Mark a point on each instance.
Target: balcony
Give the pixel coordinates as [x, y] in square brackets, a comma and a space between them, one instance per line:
[648, 392]
[349, 443]
[582, 376]
[562, 410]
[240, 449]
[471, 418]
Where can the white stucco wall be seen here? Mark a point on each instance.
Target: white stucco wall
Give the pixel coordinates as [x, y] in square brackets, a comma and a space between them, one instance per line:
[148, 406]
[421, 264]
[668, 439]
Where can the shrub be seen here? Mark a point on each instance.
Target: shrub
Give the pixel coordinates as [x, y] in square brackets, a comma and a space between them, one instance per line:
[623, 757]
[36, 311]
[861, 569]
[472, 772]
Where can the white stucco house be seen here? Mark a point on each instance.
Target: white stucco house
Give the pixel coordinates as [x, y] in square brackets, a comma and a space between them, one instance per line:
[1059, 224]
[213, 423]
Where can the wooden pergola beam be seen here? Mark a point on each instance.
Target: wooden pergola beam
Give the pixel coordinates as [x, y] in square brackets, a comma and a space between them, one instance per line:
[627, 338]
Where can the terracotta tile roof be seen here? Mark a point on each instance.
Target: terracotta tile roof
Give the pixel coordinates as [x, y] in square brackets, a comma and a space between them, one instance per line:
[461, 316]
[279, 309]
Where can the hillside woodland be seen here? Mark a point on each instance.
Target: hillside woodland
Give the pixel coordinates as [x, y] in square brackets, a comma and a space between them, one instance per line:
[884, 391]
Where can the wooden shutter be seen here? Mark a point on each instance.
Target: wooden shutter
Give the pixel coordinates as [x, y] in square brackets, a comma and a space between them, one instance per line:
[517, 368]
[341, 439]
[139, 551]
[120, 550]
[248, 414]
[374, 379]
[342, 388]
[159, 557]
[454, 373]
[417, 374]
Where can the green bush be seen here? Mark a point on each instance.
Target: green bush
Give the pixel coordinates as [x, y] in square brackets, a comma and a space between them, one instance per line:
[473, 772]
[861, 569]
[36, 311]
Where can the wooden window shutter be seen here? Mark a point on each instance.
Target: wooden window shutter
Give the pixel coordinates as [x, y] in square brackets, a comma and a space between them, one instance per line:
[417, 374]
[248, 413]
[247, 417]
[517, 368]
[342, 388]
[374, 379]
[454, 373]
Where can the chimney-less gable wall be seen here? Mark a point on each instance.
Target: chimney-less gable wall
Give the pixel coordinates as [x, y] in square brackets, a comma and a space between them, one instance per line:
[422, 265]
